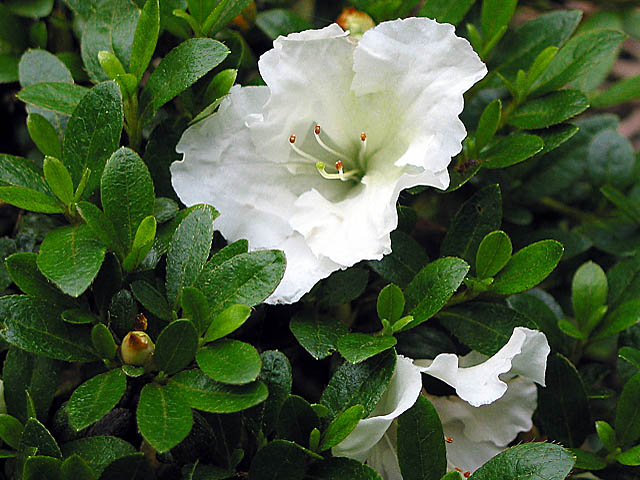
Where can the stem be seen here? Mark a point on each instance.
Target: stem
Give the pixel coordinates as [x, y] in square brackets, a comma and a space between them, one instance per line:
[560, 207]
[132, 123]
[462, 297]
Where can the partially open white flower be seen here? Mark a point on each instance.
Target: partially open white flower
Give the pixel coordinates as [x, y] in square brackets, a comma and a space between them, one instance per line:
[314, 162]
[503, 384]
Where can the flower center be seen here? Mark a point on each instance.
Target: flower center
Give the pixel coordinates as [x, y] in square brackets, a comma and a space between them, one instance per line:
[354, 174]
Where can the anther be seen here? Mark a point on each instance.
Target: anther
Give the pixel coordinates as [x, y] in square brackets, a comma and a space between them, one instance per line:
[317, 130]
[363, 151]
[363, 136]
[448, 439]
[316, 134]
[294, 147]
[292, 139]
[466, 474]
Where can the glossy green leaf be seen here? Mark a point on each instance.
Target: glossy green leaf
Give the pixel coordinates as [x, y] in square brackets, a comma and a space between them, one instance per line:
[479, 215]
[222, 14]
[588, 292]
[78, 316]
[421, 448]
[101, 226]
[446, 11]
[103, 341]
[10, 430]
[35, 325]
[71, 257]
[151, 299]
[93, 133]
[338, 468]
[551, 109]
[530, 461]
[230, 361]
[129, 467]
[512, 150]
[145, 38]
[343, 286]
[484, 327]
[496, 15]
[247, 278]
[279, 21]
[607, 435]
[541, 309]
[493, 254]
[32, 200]
[279, 460]
[356, 347]
[98, 452]
[628, 412]
[318, 334]
[58, 178]
[203, 393]
[44, 135]
[36, 435]
[622, 91]
[629, 207]
[610, 159]
[95, 398]
[361, 383]
[189, 250]
[488, 123]
[20, 172]
[528, 267]
[406, 259]
[142, 243]
[42, 467]
[60, 97]
[176, 346]
[625, 316]
[76, 468]
[563, 406]
[164, 420]
[276, 375]
[430, 290]
[341, 426]
[227, 321]
[390, 304]
[296, 420]
[630, 457]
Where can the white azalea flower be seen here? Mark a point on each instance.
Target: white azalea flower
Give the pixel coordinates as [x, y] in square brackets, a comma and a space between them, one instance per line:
[496, 398]
[313, 163]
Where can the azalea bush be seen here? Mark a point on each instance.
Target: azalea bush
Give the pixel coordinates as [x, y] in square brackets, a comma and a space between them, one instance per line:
[318, 240]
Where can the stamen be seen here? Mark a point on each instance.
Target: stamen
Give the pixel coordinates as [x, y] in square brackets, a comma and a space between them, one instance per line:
[316, 133]
[341, 175]
[292, 144]
[363, 150]
[448, 439]
[340, 169]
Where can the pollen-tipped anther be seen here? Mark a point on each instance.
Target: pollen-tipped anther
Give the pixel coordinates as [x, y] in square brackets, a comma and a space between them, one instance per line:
[292, 139]
[316, 130]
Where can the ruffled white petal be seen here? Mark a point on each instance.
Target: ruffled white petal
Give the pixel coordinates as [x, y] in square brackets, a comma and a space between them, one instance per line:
[480, 384]
[401, 394]
[479, 433]
[383, 457]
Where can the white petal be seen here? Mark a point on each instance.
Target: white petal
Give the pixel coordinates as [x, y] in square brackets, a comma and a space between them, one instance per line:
[401, 394]
[479, 433]
[480, 384]
[383, 458]
[429, 68]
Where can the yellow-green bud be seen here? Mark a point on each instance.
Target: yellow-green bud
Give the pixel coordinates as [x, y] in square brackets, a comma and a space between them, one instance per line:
[355, 21]
[137, 348]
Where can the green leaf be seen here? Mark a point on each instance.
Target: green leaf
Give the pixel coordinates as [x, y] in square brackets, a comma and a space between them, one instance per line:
[484, 327]
[219, 87]
[142, 243]
[623, 317]
[164, 419]
[196, 308]
[100, 226]
[36, 435]
[76, 468]
[151, 299]
[202, 393]
[103, 341]
[95, 398]
[189, 250]
[629, 207]
[630, 457]
[93, 133]
[225, 11]
[127, 195]
[296, 420]
[495, 17]
[279, 460]
[176, 346]
[446, 11]
[339, 468]
[421, 449]
[8, 68]
[98, 452]
[390, 305]
[624, 281]
[247, 278]
[523, 45]
[341, 426]
[10, 430]
[512, 150]
[44, 135]
[528, 267]
[276, 375]
[24, 272]
[531, 461]
[574, 59]
[343, 286]
[180, 69]
[111, 26]
[563, 406]
[607, 435]
[551, 109]
[129, 467]
[621, 91]
[227, 321]
[35, 325]
[20, 172]
[78, 316]
[588, 293]
[488, 123]
[356, 347]
[71, 257]
[493, 254]
[30, 8]
[318, 334]
[628, 412]
[42, 467]
[479, 215]
[230, 361]
[279, 21]
[430, 290]
[610, 159]
[32, 200]
[406, 259]
[361, 383]
[56, 96]
[587, 460]
[58, 179]
[145, 38]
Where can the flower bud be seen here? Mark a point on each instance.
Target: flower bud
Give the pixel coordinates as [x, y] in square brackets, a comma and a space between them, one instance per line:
[137, 348]
[355, 21]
